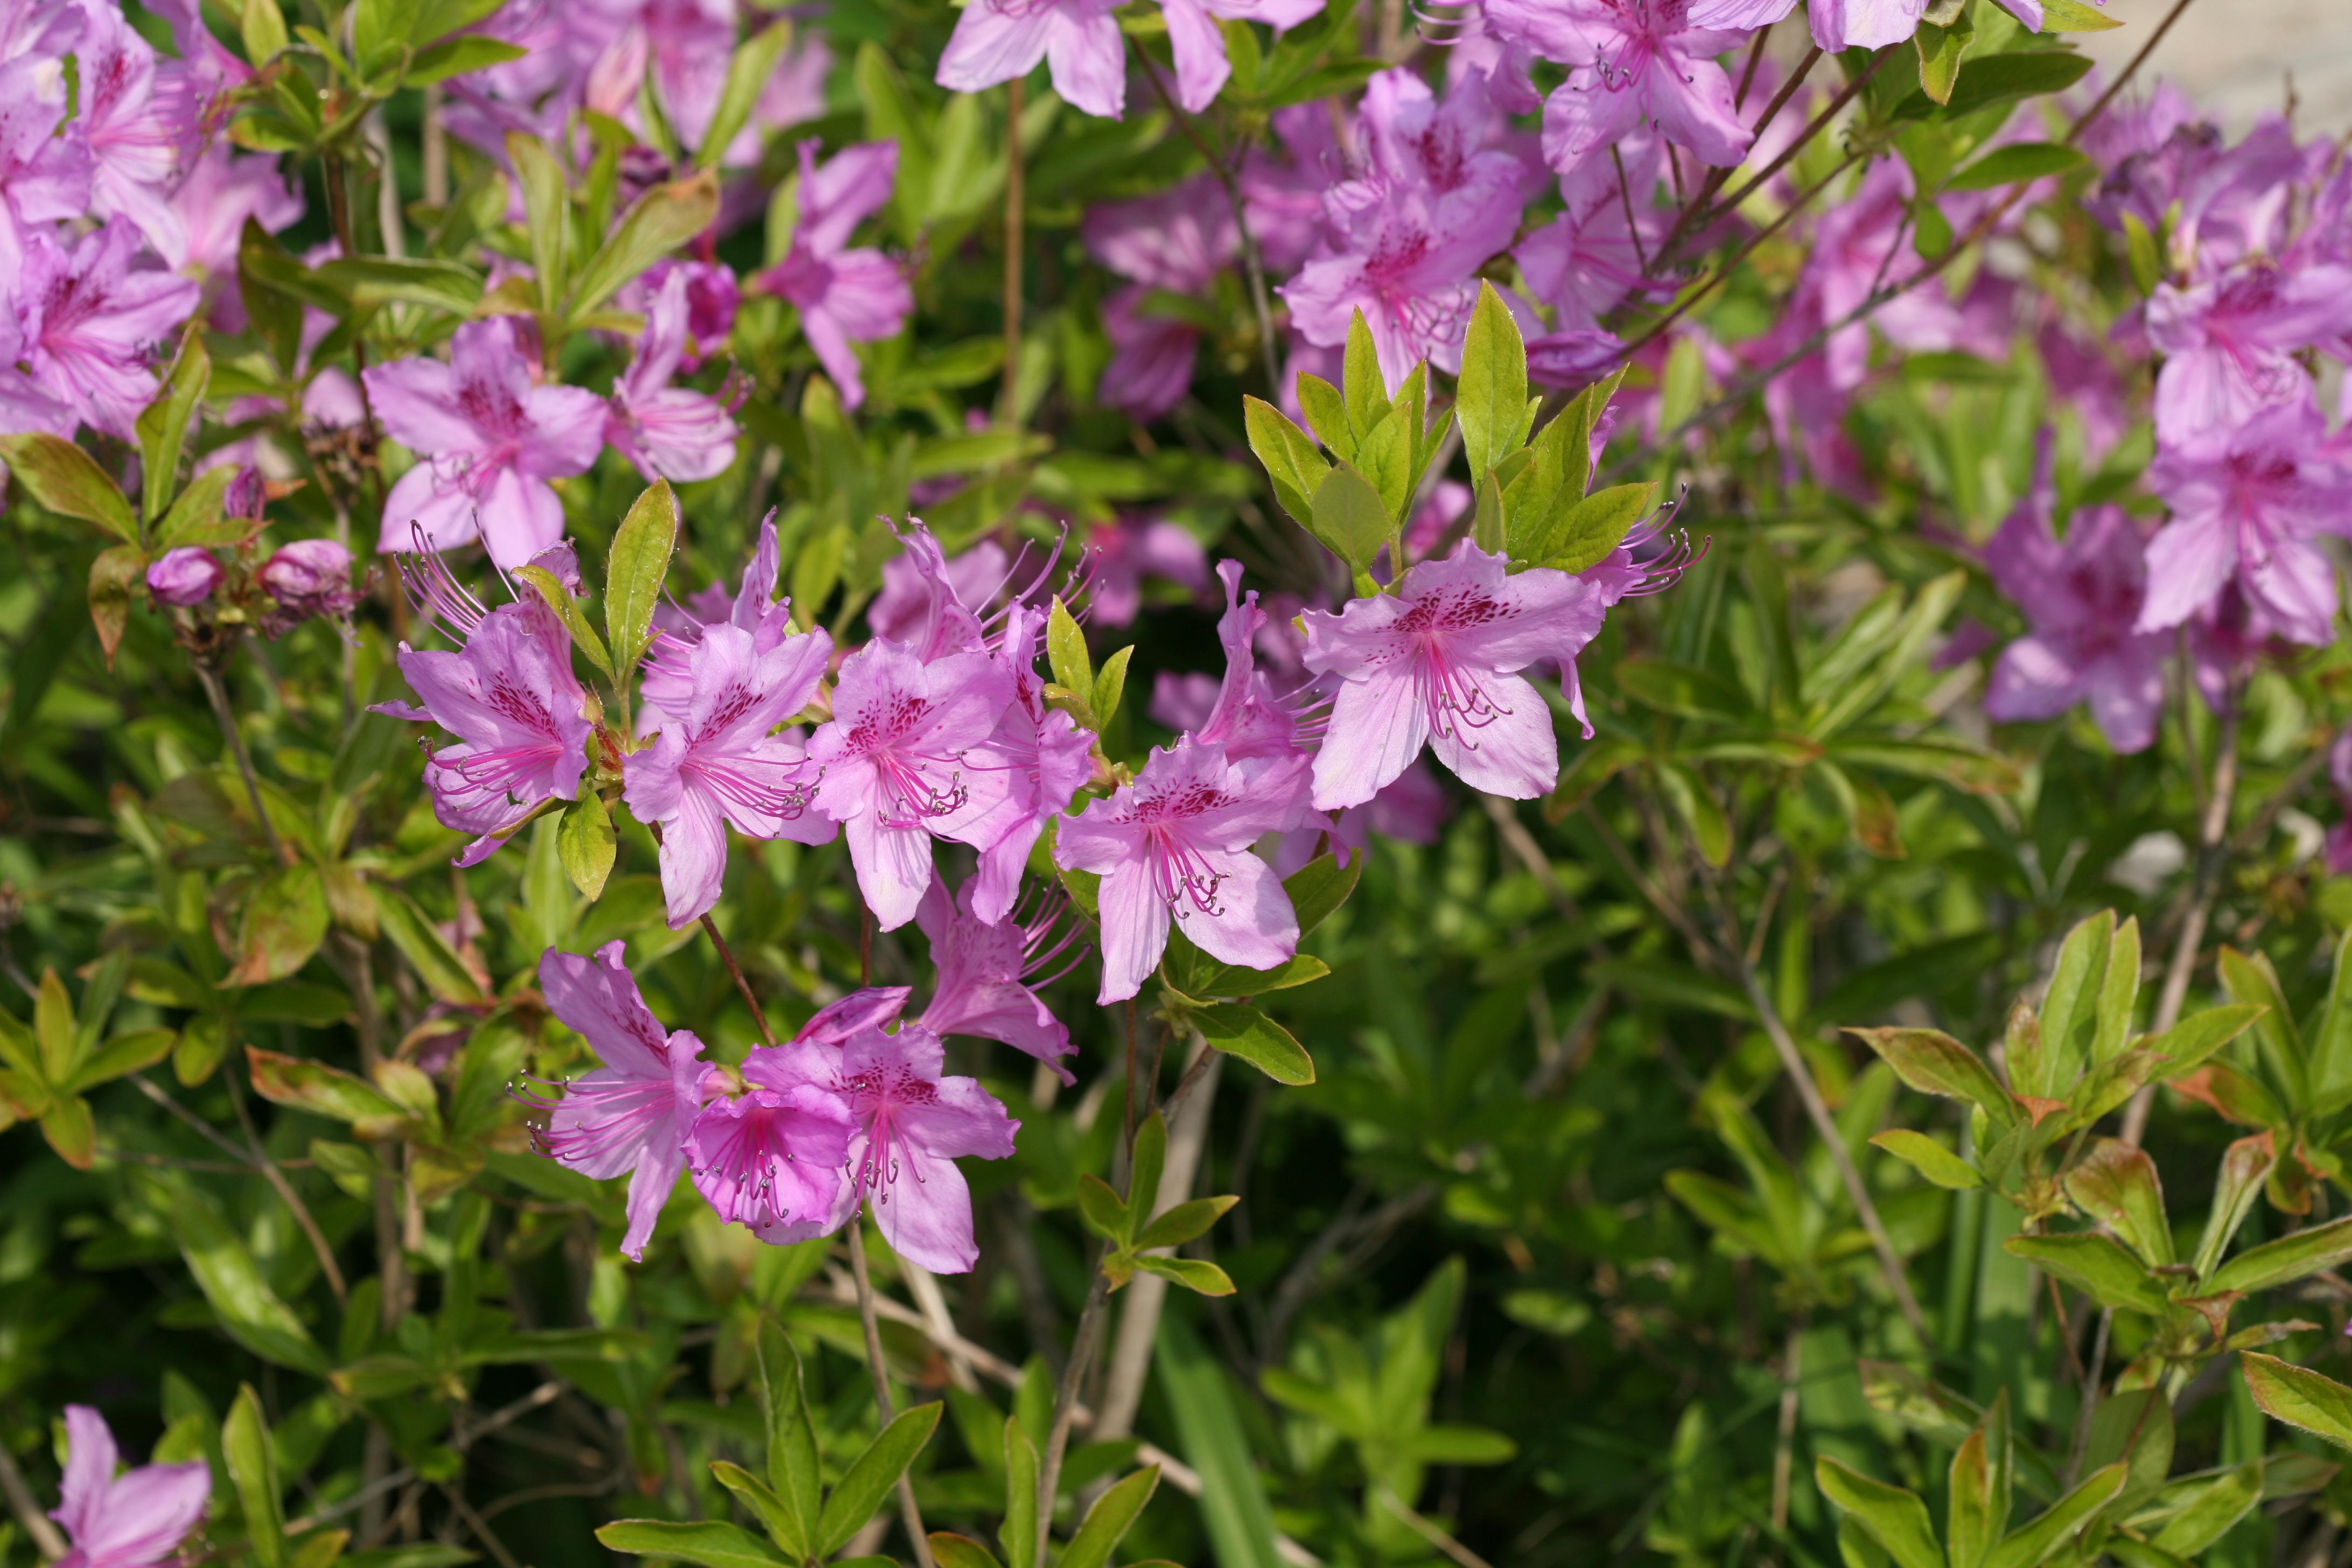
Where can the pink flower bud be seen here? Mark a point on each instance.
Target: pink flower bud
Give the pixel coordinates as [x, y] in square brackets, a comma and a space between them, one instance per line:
[185, 576]
[245, 494]
[310, 577]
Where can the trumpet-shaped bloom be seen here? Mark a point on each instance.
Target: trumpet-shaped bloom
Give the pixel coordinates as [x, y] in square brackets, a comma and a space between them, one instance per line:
[489, 441]
[985, 970]
[909, 1122]
[896, 775]
[844, 295]
[631, 1113]
[1174, 845]
[1199, 46]
[86, 322]
[132, 1521]
[2082, 599]
[718, 761]
[1631, 64]
[2245, 504]
[926, 602]
[666, 685]
[511, 699]
[44, 177]
[996, 40]
[1041, 757]
[135, 116]
[1175, 240]
[668, 432]
[771, 1157]
[2230, 343]
[1436, 665]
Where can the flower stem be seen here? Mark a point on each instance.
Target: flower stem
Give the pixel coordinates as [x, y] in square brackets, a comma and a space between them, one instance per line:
[758, 1016]
[1066, 1402]
[218, 696]
[909, 1513]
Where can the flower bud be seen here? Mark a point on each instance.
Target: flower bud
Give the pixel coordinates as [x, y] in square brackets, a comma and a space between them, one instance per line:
[185, 576]
[310, 577]
[245, 494]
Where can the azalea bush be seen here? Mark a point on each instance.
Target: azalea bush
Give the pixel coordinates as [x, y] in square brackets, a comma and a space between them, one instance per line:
[1224, 782]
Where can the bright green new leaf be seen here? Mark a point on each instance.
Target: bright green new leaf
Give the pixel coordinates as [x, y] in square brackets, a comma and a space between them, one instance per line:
[2033, 1544]
[1929, 1158]
[1349, 517]
[748, 71]
[1106, 1523]
[872, 1474]
[253, 1471]
[714, 1543]
[2015, 164]
[1491, 393]
[1289, 456]
[1896, 1518]
[546, 207]
[164, 424]
[639, 563]
[1246, 1032]
[1193, 1273]
[656, 223]
[2293, 1256]
[2299, 1396]
[2098, 1266]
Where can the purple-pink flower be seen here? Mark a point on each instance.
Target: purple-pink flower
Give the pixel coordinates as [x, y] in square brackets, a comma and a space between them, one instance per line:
[1631, 64]
[1199, 45]
[895, 772]
[86, 322]
[135, 116]
[996, 40]
[2082, 599]
[844, 295]
[44, 177]
[511, 699]
[1174, 843]
[668, 432]
[909, 1122]
[1839, 25]
[989, 973]
[631, 1113]
[488, 442]
[770, 1158]
[132, 1521]
[718, 761]
[1175, 241]
[2230, 343]
[309, 578]
[2245, 505]
[185, 576]
[1038, 755]
[1436, 664]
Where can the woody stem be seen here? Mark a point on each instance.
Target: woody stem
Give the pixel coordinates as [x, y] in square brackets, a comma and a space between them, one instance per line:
[217, 695]
[759, 1016]
[909, 1513]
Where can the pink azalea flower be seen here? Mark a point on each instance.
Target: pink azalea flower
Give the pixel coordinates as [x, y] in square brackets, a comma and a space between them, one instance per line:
[666, 680]
[1040, 756]
[927, 601]
[1632, 63]
[1282, 195]
[87, 320]
[988, 974]
[712, 298]
[1174, 845]
[1177, 241]
[895, 775]
[1123, 553]
[213, 199]
[2245, 504]
[718, 761]
[844, 295]
[1587, 260]
[1199, 46]
[631, 1113]
[44, 177]
[1842, 24]
[184, 577]
[771, 1157]
[908, 1125]
[135, 116]
[996, 40]
[132, 1521]
[668, 432]
[684, 46]
[488, 442]
[2082, 599]
[2339, 774]
[1437, 664]
[2230, 343]
[1261, 731]
[511, 699]
[1458, 143]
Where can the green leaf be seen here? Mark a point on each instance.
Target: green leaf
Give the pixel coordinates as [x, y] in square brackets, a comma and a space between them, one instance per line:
[1110, 685]
[1491, 393]
[1246, 1032]
[253, 1471]
[1184, 1222]
[458, 57]
[872, 1474]
[1210, 1433]
[196, 518]
[1585, 535]
[559, 599]
[2074, 17]
[586, 844]
[1192, 1273]
[711, 1543]
[164, 424]
[781, 1525]
[1361, 379]
[72, 1132]
[284, 921]
[1148, 1160]
[633, 575]
[1066, 655]
[960, 1552]
[126, 1053]
[1348, 517]
[656, 223]
[1940, 51]
[1988, 80]
[2188, 1044]
[1444, 1443]
[546, 208]
[2015, 164]
[262, 28]
[2299, 1396]
[1106, 1523]
[2290, 1258]
[1978, 1488]
[323, 1090]
[1327, 416]
[1929, 1158]
[2069, 1010]
[1101, 1207]
[753, 62]
[1018, 1533]
[373, 281]
[2215, 1510]
[1289, 456]
[2116, 1185]
[1896, 1518]
[54, 1028]
[1934, 1063]
[2143, 254]
[2118, 997]
[427, 951]
[793, 1470]
[1702, 814]
[1318, 888]
[1681, 688]
[252, 1314]
[68, 481]
[2098, 1266]
[2035, 1542]
[1384, 457]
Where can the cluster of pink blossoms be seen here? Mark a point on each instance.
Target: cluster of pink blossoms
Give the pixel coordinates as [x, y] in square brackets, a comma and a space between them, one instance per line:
[937, 731]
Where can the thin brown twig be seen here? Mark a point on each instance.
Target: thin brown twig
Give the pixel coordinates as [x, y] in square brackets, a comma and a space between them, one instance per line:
[909, 1513]
[1427, 1529]
[47, 1538]
[1066, 1400]
[285, 1188]
[1718, 178]
[217, 695]
[758, 1015]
